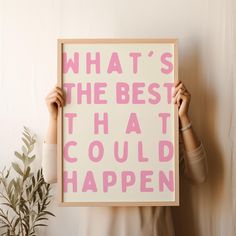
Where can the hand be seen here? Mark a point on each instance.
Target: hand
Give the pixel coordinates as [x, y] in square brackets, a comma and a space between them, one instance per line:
[54, 100]
[182, 97]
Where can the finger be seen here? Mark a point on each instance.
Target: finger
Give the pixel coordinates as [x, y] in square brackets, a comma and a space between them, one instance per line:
[59, 96]
[56, 88]
[54, 100]
[180, 86]
[60, 90]
[177, 89]
[186, 93]
[176, 96]
[179, 93]
[182, 97]
[177, 82]
[58, 103]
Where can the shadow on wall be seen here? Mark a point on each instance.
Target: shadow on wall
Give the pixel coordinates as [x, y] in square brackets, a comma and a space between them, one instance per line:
[198, 203]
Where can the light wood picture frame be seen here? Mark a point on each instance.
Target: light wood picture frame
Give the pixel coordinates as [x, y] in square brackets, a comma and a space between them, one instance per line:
[118, 133]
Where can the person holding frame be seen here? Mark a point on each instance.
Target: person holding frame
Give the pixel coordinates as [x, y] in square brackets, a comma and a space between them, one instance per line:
[130, 220]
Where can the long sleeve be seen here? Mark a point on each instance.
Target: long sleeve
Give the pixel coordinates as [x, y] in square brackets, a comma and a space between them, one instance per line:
[194, 163]
[49, 162]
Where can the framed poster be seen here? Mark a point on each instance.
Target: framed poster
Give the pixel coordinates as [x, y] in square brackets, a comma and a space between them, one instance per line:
[118, 132]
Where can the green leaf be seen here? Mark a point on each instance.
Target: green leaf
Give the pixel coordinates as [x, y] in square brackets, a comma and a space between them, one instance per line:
[26, 130]
[49, 213]
[10, 185]
[17, 168]
[24, 150]
[40, 194]
[25, 142]
[16, 222]
[9, 205]
[27, 172]
[42, 218]
[3, 226]
[24, 193]
[33, 181]
[25, 227]
[17, 189]
[8, 172]
[47, 203]
[38, 174]
[4, 218]
[27, 136]
[21, 157]
[31, 148]
[38, 206]
[31, 159]
[31, 174]
[37, 225]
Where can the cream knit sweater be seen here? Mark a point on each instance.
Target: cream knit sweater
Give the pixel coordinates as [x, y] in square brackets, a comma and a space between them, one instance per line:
[130, 221]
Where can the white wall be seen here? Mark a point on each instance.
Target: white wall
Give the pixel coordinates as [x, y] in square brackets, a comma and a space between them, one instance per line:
[207, 33]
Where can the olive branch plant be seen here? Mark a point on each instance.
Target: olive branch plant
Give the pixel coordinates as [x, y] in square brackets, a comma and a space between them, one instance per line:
[24, 195]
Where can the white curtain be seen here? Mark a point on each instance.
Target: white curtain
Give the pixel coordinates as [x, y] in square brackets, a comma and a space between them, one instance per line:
[210, 209]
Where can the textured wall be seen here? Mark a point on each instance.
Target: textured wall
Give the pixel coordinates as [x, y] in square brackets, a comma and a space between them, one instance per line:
[207, 33]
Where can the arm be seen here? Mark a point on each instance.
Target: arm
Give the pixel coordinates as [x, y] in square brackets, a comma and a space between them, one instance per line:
[195, 165]
[53, 100]
[51, 136]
